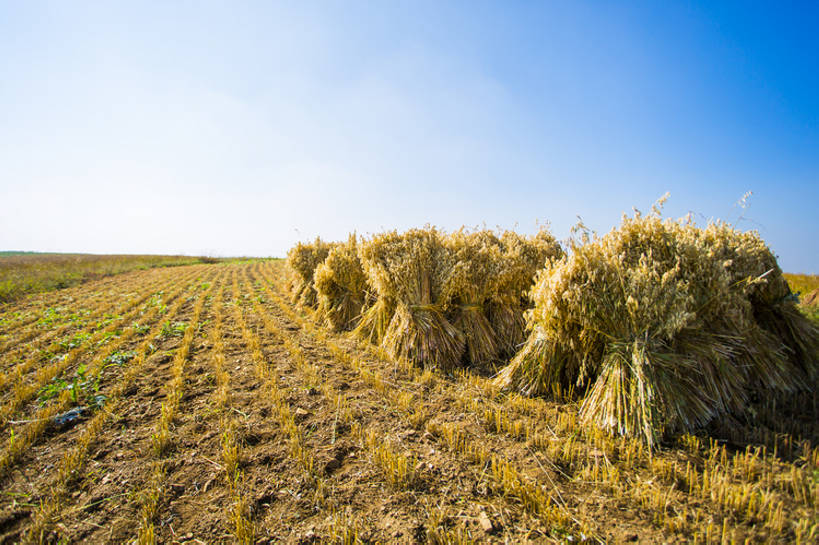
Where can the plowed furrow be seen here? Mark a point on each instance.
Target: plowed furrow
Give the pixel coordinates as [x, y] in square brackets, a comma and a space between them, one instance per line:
[47, 330]
[31, 374]
[220, 421]
[165, 438]
[28, 431]
[55, 473]
[74, 459]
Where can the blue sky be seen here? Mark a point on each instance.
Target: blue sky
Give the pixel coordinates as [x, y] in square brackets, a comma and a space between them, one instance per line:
[237, 127]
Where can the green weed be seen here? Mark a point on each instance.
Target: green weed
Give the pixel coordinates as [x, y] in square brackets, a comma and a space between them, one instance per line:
[83, 389]
[175, 329]
[75, 341]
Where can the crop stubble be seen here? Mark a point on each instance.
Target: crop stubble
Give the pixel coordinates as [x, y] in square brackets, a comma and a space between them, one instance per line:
[283, 431]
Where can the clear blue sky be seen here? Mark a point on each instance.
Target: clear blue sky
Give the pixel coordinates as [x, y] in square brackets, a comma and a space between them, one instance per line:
[238, 127]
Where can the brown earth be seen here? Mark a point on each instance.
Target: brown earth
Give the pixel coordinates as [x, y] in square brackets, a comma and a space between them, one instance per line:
[483, 466]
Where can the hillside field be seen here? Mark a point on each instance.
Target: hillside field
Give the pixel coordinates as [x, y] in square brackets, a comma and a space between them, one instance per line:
[197, 404]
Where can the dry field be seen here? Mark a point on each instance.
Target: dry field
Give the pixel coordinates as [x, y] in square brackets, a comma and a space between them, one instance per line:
[24, 273]
[215, 412]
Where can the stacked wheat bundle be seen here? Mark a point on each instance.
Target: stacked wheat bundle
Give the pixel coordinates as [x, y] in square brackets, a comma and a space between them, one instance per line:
[522, 258]
[302, 260]
[487, 292]
[341, 287]
[431, 298]
[409, 274]
[445, 300]
[471, 283]
[664, 326]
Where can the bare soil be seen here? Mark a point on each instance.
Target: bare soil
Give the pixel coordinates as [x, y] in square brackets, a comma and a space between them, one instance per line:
[593, 490]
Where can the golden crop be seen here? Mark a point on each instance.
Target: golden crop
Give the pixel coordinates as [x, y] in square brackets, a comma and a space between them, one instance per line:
[425, 296]
[664, 326]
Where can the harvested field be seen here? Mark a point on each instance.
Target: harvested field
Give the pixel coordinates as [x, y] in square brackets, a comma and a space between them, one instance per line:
[22, 273]
[807, 286]
[231, 416]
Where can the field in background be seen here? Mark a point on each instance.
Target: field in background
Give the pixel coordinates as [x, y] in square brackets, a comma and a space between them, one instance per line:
[804, 284]
[22, 273]
[196, 404]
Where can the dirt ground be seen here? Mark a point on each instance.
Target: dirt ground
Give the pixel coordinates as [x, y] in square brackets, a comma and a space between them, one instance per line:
[278, 431]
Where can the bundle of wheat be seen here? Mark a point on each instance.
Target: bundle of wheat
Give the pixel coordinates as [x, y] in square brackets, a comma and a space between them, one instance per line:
[522, 258]
[449, 299]
[341, 286]
[472, 283]
[409, 273]
[660, 324]
[434, 299]
[753, 268]
[302, 261]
